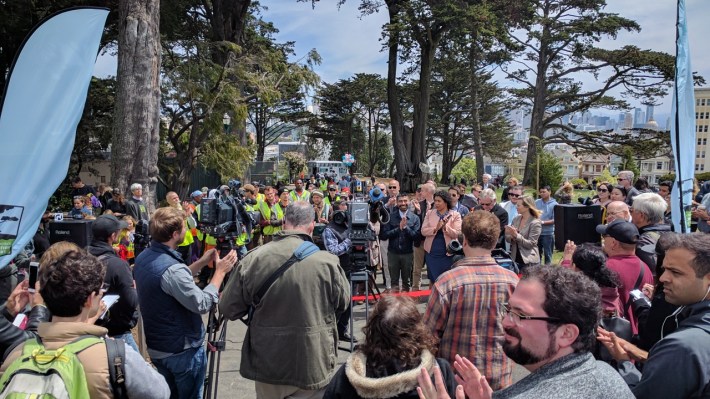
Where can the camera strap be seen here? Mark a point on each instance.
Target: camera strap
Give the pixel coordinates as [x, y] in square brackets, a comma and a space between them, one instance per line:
[306, 249]
[636, 286]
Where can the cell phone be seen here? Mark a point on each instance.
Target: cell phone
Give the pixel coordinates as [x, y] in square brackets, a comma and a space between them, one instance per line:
[34, 269]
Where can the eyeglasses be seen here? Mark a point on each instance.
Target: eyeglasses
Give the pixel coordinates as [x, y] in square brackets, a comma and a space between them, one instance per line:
[332, 189]
[602, 190]
[621, 178]
[513, 195]
[506, 311]
[393, 186]
[489, 204]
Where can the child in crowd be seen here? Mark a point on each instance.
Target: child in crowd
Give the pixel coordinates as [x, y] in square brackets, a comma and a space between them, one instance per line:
[80, 209]
[125, 247]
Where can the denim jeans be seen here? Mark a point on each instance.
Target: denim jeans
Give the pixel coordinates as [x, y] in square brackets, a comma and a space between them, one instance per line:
[128, 338]
[545, 244]
[184, 372]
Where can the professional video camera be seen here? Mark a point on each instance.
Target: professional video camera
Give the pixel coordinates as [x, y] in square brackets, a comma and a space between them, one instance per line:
[141, 235]
[501, 256]
[357, 218]
[225, 217]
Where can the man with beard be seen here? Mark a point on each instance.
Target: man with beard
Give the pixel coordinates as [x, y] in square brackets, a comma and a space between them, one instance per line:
[549, 325]
[399, 233]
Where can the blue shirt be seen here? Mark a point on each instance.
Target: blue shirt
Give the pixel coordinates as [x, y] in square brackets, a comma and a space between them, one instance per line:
[548, 213]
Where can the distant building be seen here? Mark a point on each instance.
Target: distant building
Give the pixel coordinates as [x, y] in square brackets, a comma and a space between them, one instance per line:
[702, 121]
[649, 113]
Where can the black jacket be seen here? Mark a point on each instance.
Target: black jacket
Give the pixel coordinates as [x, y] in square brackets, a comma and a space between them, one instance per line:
[123, 315]
[401, 241]
[11, 336]
[646, 245]
[502, 216]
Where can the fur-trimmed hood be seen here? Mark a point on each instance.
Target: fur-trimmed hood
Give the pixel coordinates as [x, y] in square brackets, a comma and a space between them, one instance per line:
[385, 387]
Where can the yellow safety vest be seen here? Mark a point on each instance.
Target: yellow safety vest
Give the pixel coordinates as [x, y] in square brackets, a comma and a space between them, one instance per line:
[266, 215]
[305, 195]
[327, 200]
[279, 216]
[209, 240]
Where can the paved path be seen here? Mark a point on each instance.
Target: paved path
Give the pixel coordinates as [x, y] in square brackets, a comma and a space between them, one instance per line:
[233, 385]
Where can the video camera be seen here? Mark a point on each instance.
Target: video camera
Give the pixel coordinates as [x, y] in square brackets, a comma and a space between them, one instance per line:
[225, 217]
[357, 218]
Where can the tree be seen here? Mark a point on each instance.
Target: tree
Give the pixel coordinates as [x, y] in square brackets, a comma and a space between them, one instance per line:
[352, 116]
[606, 176]
[629, 163]
[558, 46]
[551, 173]
[463, 116]
[466, 168]
[136, 132]
[93, 134]
[296, 164]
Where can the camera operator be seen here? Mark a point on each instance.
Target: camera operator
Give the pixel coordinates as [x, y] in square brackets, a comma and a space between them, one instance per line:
[171, 303]
[337, 243]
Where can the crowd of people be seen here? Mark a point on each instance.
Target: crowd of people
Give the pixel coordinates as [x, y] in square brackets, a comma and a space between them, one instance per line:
[290, 279]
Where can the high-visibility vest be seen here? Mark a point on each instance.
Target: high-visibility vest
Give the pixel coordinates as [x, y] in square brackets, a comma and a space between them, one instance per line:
[327, 200]
[305, 195]
[266, 215]
[279, 215]
[323, 185]
[209, 240]
[260, 197]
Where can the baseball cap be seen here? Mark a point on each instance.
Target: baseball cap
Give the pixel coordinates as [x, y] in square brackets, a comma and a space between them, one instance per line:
[196, 193]
[105, 225]
[620, 230]
[204, 190]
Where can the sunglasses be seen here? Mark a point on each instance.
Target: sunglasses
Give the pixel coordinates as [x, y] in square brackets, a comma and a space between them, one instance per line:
[602, 190]
[513, 195]
[482, 204]
[332, 189]
[393, 186]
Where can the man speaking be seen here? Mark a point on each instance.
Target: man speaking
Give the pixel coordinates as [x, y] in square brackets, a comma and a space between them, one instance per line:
[296, 316]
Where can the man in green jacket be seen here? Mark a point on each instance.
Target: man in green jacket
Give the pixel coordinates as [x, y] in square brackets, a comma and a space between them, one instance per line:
[298, 311]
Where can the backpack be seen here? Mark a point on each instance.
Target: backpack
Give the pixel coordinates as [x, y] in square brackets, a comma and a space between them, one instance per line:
[43, 373]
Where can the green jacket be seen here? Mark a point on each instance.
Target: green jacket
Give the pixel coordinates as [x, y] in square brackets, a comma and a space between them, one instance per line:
[296, 316]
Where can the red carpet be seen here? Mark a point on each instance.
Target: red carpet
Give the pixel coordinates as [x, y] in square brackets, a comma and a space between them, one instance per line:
[411, 294]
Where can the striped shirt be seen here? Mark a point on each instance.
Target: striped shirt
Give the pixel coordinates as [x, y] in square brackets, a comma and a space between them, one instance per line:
[463, 312]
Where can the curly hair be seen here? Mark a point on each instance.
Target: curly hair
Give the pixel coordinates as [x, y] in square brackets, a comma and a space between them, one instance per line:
[571, 297]
[444, 195]
[395, 330]
[67, 281]
[591, 260]
[481, 229]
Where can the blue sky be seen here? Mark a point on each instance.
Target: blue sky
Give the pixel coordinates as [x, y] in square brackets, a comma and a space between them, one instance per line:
[350, 44]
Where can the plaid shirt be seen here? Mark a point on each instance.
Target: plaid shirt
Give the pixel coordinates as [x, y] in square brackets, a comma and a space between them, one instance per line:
[463, 312]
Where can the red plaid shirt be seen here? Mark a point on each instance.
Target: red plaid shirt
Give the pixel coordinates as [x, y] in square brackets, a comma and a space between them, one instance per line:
[463, 312]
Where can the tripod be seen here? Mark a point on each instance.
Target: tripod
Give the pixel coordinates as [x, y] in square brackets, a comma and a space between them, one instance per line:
[216, 344]
[367, 278]
[216, 332]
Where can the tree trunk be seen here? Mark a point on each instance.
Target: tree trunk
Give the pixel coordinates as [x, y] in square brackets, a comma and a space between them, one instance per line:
[136, 133]
[401, 150]
[473, 57]
[421, 109]
[228, 19]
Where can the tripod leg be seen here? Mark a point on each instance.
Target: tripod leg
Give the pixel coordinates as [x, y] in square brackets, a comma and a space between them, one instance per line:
[352, 302]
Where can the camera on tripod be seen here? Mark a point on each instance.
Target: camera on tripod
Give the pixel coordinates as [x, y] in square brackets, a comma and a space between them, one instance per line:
[141, 234]
[357, 218]
[225, 217]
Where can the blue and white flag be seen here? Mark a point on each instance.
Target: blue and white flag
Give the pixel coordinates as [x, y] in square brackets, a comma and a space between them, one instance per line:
[683, 127]
[44, 100]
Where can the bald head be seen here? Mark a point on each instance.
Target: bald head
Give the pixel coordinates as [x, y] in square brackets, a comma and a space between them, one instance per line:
[617, 210]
